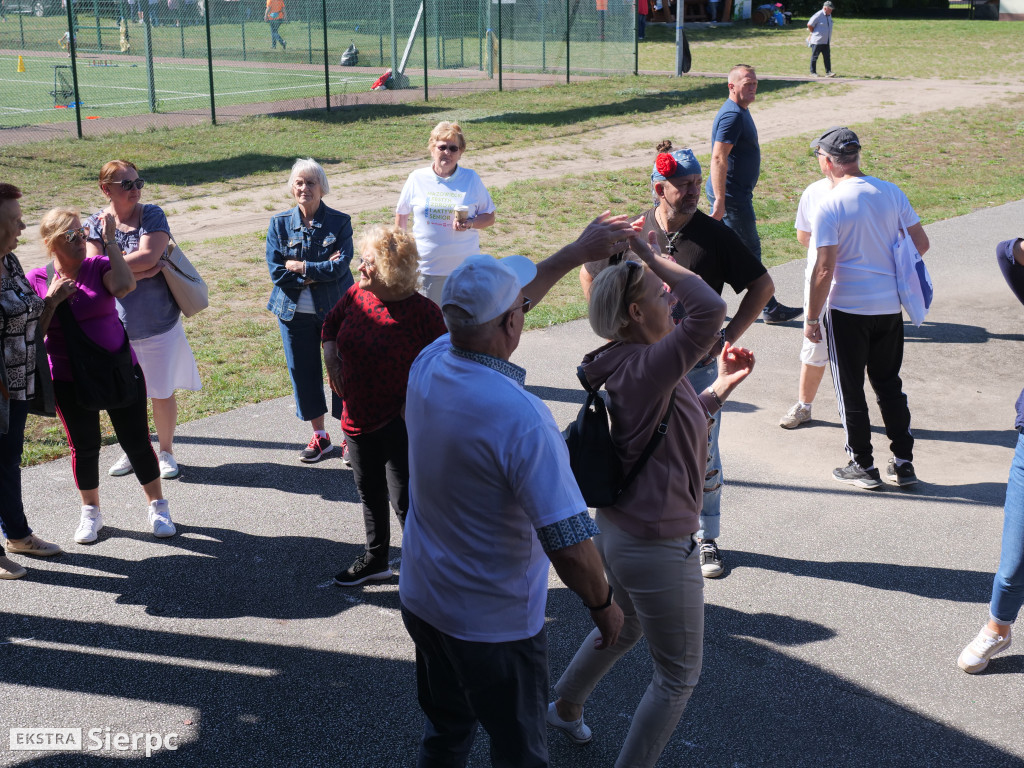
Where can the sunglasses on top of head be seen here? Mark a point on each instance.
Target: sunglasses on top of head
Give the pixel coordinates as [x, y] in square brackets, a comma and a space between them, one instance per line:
[128, 184]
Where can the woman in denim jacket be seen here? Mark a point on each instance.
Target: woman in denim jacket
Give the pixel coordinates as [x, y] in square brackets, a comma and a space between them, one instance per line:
[309, 249]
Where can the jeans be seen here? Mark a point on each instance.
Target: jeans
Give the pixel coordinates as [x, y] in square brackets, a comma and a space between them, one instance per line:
[503, 686]
[826, 54]
[641, 26]
[12, 511]
[701, 378]
[380, 463]
[739, 217]
[659, 586]
[275, 36]
[131, 425]
[874, 343]
[302, 352]
[1008, 585]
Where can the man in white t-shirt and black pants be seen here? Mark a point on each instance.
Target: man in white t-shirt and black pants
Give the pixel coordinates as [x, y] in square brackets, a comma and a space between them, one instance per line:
[855, 230]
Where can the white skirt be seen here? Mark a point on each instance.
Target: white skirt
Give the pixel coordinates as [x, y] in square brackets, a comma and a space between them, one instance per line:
[167, 363]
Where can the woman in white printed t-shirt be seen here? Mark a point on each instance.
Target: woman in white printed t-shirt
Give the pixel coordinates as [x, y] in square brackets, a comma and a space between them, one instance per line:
[431, 196]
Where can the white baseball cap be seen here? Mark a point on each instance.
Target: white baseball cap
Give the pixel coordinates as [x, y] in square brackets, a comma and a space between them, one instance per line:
[486, 287]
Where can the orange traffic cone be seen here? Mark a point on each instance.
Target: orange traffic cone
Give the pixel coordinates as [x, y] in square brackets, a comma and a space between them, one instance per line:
[21, 64]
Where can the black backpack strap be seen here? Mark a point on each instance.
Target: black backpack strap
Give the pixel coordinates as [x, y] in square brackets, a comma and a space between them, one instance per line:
[583, 380]
[656, 438]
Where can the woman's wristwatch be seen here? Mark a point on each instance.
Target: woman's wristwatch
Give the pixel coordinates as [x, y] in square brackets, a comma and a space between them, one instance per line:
[812, 321]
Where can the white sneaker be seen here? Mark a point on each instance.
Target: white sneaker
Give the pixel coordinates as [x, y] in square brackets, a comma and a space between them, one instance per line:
[168, 466]
[576, 730]
[89, 525]
[121, 467]
[975, 657]
[160, 519]
[795, 416]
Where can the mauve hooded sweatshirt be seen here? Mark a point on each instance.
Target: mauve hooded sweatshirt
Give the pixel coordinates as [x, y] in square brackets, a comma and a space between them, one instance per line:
[665, 500]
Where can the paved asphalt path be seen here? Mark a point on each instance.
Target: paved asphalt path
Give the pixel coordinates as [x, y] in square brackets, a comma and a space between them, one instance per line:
[831, 640]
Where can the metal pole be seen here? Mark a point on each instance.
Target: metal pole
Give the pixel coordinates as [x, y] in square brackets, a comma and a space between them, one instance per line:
[209, 66]
[426, 86]
[74, 70]
[394, 40]
[96, 13]
[567, 25]
[636, 36]
[241, 17]
[499, 44]
[327, 70]
[309, 29]
[181, 29]
[489, 34]
[21, 29]
[543, 36]
[148, 38]
[679, 39]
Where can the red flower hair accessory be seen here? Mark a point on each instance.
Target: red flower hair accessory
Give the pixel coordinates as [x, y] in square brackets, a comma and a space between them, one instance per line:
[666, 165]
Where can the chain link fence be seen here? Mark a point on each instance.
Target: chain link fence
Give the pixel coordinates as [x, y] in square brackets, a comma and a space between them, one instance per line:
[112, 65]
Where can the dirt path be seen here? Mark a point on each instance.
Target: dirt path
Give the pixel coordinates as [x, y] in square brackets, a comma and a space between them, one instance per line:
[612, 148]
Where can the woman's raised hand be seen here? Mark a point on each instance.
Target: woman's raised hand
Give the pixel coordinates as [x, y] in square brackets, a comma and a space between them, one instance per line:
[109, 227]
[734, 364]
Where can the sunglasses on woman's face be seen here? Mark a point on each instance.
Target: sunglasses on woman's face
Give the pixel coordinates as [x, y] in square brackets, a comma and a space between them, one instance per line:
[74, 235]
[453, 148]
[128, 184]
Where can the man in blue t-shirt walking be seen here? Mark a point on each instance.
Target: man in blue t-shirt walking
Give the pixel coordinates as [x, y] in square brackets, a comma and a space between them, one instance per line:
[735, 167]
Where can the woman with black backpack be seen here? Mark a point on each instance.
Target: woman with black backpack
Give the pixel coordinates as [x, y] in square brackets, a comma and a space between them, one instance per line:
[650, 556]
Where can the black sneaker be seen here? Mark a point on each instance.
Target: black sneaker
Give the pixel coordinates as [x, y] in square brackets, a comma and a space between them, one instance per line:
[780, 313]
[318, 447]
[854, 474]
[901, 475]
[711, 565]
[361, 571]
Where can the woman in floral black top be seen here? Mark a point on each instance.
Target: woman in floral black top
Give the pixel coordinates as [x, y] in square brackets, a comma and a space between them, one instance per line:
[24, 377]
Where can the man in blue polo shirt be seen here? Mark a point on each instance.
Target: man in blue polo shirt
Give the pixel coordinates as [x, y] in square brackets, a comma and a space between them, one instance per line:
[735, 167]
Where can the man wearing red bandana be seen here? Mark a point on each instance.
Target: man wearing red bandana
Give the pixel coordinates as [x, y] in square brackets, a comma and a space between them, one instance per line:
[712, 250]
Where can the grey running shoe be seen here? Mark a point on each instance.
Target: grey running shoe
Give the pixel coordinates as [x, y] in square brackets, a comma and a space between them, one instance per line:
[795, 416]
[901, 475]
[854, 474]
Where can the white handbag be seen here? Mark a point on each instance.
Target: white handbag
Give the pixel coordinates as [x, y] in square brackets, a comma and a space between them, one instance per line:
[912, 279]
[188, 288]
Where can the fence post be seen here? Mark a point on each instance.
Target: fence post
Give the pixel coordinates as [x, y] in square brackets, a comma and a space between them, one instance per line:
[327, 70]
[96, 13]
[181, 28]
[394, 41]
[426, 86]
[241, 16]
[209, 66]
[499, 46]
[21, 29]
[148, 38]
[568, 23]
[309, 29]
[543, 36]
[636, 35]
[74, 70]
[480, 35]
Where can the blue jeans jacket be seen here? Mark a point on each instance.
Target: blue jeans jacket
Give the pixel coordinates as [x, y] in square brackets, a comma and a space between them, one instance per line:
[330, 233]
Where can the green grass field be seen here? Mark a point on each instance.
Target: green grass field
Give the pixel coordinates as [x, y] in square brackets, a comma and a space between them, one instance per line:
[119, 87]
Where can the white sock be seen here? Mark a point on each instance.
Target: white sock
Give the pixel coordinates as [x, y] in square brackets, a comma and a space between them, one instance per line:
[320, 432]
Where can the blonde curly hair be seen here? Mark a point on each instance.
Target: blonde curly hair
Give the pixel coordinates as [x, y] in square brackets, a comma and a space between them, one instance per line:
[395, 255]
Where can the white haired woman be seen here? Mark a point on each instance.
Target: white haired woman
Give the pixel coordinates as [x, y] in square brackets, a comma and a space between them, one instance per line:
[653, 522]
[381, 312]
[309, 249]
[432, 196]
